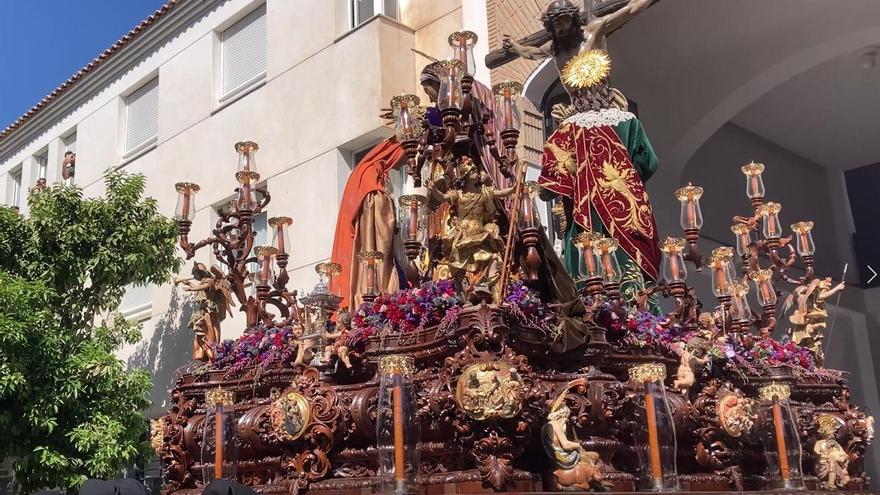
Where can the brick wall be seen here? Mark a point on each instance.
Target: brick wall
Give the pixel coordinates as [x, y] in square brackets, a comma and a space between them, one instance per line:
[519, 18]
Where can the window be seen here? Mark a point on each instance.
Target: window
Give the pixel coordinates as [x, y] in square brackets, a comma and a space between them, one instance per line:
[362, 10]
[137, 302]
[243, 54]
[42, 164]
[261, 237]
[70, 142]
[141, 118]
[16, 188]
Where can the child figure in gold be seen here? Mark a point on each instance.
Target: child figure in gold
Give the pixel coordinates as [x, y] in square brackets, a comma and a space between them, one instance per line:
[472, 246]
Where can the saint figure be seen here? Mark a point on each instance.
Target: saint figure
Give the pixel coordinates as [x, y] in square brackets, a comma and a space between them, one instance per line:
[599, 157]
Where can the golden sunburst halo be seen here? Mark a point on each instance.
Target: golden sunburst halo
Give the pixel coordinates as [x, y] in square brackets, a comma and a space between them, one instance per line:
[587, 69]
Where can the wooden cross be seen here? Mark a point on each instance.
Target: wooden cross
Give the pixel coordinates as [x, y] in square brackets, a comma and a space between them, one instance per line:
[497, 58]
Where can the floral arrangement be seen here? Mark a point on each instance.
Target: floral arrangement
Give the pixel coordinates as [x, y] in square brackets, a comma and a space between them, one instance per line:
[406, 311]
[260, 345]
[645, 329]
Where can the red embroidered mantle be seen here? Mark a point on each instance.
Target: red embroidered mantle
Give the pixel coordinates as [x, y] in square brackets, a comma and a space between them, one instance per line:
[593, 168]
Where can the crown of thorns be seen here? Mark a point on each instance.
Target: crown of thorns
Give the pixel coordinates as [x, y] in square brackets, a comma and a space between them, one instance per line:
[557, 9]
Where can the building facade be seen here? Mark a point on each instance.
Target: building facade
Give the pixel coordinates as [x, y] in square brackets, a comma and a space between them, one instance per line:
[304, 79]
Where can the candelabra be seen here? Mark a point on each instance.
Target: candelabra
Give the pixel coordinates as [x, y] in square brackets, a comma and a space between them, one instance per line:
[752, 249]
[232, 243]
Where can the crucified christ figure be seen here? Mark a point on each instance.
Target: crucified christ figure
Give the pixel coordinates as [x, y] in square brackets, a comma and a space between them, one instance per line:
[599, 157]
[568, 37]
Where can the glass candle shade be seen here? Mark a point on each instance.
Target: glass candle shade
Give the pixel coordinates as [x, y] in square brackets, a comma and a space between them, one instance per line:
[804, 237]
[588, 266]
[779, 436]
[246, 155]
[186, 201]
[528, 210]
[604, 250]
[450, 95]
[397, 425]
[743, 238]
[754, 182]
[412, 214]
[265, 271]
[370, 261]
[247, 189]
[281, 233]
[770, 214]
[654, 435]
[764, 286]
[462, 43]
[326, 271]
[506, 94]
[722, 270]
[739, 305]
[672, 265]
[405, 109]
[219, 442]
[691, 215]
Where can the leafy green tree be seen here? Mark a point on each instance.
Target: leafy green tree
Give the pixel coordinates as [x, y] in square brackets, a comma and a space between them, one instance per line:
[69, 409]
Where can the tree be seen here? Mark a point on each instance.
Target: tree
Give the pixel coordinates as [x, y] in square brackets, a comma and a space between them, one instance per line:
[69, 409]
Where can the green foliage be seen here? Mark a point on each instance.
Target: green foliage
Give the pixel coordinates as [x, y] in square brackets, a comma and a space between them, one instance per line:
[69, 409]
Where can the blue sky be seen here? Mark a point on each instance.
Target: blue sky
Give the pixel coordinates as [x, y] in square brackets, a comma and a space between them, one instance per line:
[44, 42]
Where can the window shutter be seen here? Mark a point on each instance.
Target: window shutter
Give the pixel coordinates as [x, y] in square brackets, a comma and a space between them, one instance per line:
[243, 53]
[137, 301]
[141, 118]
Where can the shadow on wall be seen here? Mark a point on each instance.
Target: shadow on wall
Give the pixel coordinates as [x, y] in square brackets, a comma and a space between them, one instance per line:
[168, 350]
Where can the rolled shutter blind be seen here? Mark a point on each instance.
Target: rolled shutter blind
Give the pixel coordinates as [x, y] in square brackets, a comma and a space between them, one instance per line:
[243, 53]
[142, 116]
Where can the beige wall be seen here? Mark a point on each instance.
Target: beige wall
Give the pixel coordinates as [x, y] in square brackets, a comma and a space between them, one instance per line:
[320, 101]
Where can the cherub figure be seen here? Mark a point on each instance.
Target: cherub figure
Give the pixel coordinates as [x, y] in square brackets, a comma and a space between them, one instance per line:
[214, 299]
[810, 318]
[832, 461]
[338, 340]
[685, 376]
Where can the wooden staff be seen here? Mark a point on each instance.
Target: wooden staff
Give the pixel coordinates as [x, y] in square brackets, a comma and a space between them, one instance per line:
[511, 231]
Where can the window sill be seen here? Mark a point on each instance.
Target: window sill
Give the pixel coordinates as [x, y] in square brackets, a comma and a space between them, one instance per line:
[239, 93]
[383, 17]
[138, 313]
[138, 152]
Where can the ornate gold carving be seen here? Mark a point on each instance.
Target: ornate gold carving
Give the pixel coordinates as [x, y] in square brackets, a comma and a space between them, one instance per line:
[648, 372]
[514, 87]
[828, 424]
[246, 147]
[275, 221]
[770, 208]
[219, 396]
[586, 69]
[290, 415]
[690, 191]
[157, 433]
[186, 186]
[736, 414]
[490, 391]
[780, 391]
[397, 364]
[802, 227]
[752, 168]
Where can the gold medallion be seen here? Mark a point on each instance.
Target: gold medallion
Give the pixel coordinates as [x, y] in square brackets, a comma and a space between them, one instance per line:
[492, 390]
